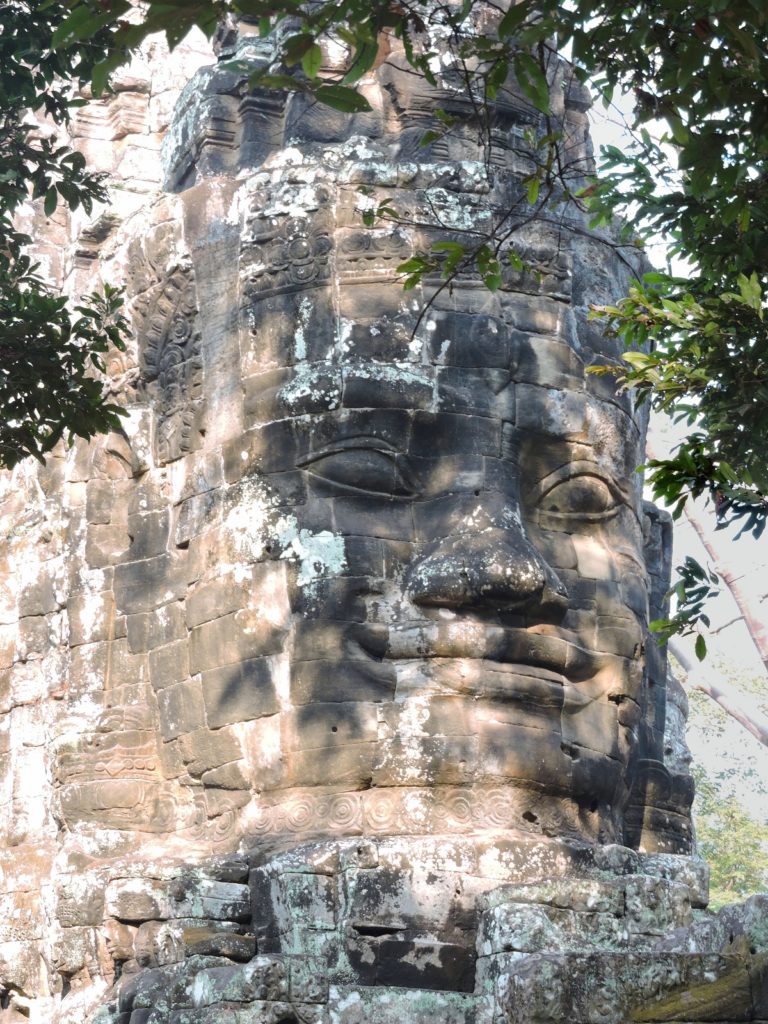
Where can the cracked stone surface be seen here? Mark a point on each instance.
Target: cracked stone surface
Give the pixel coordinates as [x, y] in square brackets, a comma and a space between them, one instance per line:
[326, 689]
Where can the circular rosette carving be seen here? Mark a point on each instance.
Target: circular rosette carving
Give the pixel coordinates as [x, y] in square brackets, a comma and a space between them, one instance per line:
[494, 809]
[381, 809]
[345, 812]
[300, 813]
[260, 819]
[286, 254]
[416, 811]
[458, 810]
[224, 826]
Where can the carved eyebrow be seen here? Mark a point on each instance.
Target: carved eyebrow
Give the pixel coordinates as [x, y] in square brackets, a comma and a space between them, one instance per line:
[343, 443]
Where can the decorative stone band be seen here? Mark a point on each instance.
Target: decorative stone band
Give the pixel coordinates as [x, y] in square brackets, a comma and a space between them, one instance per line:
[411, 811]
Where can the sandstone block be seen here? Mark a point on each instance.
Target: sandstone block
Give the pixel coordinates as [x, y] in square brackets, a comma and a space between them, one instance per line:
[454, 435]
[398, 387]
[468, 391]
[210, 942]
[39, 598]
[469, 340]
[215, 599]
[210, 899]
[375, 518]
[169, 664]
[355, 1005]
[233, 776]
[208, 748]
[106, 545]
[549, 363]
[196, 513]
[182, 709]
[135, 900]
[328, 681]
[239, 692]
[100, 501]
[233, 638]
[158, 628]
[549, 410]
[143, 585]
[149, 534]
[91, 618]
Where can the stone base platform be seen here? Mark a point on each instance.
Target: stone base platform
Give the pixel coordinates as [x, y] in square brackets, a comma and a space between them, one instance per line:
[491, 929]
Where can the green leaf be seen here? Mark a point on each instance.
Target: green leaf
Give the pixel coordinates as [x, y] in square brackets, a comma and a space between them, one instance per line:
[84, 23]
[701, 647]
[102, 71]
[364, 59]
[349, 101]
[296, 46]
[532, 80]
[513, 19]
[51, 199]
[312, 61]
[287, 82]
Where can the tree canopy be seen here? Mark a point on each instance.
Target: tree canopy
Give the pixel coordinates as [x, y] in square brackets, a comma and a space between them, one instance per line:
[694, 171]
[47, 349]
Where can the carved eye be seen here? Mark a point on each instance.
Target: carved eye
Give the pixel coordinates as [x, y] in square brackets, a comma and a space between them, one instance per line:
[579, 492]
[362, 470]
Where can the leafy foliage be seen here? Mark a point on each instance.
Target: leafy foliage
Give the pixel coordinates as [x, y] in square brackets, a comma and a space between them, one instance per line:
[693, 588]
[731, 806]
[47, 351]
[732, 841]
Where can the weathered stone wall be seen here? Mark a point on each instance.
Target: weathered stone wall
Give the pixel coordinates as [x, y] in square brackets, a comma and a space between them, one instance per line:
[326, 687]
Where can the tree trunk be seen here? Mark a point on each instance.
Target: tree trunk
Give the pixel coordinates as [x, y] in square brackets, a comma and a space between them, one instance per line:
[740, 707]
[758, 629]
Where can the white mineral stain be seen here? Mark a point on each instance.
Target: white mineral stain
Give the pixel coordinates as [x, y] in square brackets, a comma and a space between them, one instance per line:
[248, 523]
[392, 373]
[232, 215]
[359, 146]
[319, 554]
[293, 200]
[344, 336]
[348, 1001]
[288, 157]
[311, 382]
[415, 712]
[254, 525]
[200, 990]
[302, 322]
[510, 517]
[364, 202]
[91, 616]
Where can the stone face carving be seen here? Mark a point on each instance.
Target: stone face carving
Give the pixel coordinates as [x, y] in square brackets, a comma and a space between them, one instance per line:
[326, 691]
[444, 507]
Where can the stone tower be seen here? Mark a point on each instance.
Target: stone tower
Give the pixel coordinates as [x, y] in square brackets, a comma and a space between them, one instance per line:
[327, 690]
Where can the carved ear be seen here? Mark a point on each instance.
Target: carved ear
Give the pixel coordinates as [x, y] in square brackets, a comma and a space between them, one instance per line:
[658, 817]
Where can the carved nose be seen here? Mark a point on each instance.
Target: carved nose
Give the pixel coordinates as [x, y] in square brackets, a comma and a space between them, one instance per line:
[489, 567]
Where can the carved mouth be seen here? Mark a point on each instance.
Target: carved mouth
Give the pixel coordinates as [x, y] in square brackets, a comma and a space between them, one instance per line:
[549, 657]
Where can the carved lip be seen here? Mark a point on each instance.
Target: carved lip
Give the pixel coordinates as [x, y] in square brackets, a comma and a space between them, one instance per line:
[555, 657]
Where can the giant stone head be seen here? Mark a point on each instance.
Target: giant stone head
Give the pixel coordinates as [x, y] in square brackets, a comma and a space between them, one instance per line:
[402, 578]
